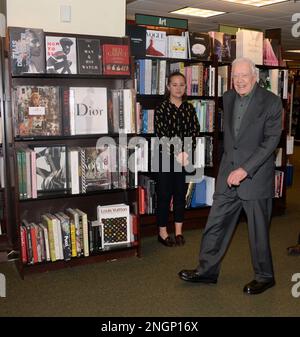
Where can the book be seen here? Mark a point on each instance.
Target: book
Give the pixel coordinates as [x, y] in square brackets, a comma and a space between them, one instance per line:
[156, 43]
[115, 224]
[84, 228]
[97, 168]
[27, 50]
[226, 48]
[51, 168]
[87, 110]
[249, 43]
[271, 52]
[217, 44]
[137, 37]
[61, 55]
[89, 56]
[115, 59]
[66, 235]
[177, 47]
[200, 46]
[37, 111]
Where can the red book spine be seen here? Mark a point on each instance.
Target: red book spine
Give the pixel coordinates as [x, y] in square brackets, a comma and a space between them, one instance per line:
[23, 244]
[34, 243]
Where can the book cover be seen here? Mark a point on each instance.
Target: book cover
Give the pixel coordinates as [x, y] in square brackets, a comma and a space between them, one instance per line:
[89, 56]
[177, 47]
[27, 50]
[61, 55]
[271, 52]
[156, 43]
[200, 45]
[51, 168]
[88, 110]
[37, 111]
[97, 168]
[226, 50]
[137, 36]
[115, 59]
[115, 224]
[249, 43]
[217, 44]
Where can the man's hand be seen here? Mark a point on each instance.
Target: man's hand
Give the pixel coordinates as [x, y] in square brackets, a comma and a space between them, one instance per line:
[236, 176]
[182, 158]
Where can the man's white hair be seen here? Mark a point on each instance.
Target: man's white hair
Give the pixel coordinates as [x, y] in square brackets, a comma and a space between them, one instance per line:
[245, 60]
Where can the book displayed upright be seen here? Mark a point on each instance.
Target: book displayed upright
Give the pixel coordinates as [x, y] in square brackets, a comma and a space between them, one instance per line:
[137, 36]
[37, 111]
[96, 169]
[61, 57]
[115, 59]
[87, 110]
[51, 165]
[249, 43]
[200, 46]
[177, 47]
[115, 224]
[27, 50]
[89, 56]
[156, 43]
[271, 52]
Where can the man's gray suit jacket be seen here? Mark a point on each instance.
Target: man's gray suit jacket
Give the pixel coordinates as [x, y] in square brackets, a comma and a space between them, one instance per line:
[253, 147]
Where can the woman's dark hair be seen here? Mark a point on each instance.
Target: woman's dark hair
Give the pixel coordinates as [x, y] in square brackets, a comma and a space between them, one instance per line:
[175, 73]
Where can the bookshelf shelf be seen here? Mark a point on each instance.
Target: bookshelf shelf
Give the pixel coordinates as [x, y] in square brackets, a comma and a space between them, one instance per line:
[71, 138]
[66, 194]
[107, 255]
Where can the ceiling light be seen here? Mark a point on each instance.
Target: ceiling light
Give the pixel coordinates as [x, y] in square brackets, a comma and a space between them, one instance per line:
[204, 13]
[292, 51]
[257, 3]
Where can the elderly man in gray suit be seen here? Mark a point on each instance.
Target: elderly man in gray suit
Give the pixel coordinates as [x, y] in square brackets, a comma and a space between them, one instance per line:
[252, 129]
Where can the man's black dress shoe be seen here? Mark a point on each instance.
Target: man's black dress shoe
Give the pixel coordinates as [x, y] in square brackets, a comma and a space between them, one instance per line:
[194, 276]
[256, 287]
[166, 242]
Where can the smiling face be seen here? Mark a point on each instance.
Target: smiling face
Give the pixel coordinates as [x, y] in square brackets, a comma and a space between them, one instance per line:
[243, 78]
[176, 87]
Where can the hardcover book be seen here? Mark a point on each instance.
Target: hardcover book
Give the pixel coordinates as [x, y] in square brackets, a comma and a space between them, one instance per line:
[27, 50]
[200, 44]
[61, 55]
[97, 169]
[115, 59]
[115, 224]
[87, 110]
[89, 56]
[51, 168]
[137, 36]
[177, 47]
[37, 111]
[226, 50]
[249, 43]
[156, 43]
[217, 44]
[271, 52]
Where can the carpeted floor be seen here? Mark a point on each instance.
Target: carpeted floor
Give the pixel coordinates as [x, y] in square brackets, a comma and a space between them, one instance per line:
[149, 286]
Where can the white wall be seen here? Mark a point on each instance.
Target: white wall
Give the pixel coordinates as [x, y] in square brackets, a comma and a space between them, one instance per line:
[95, 17]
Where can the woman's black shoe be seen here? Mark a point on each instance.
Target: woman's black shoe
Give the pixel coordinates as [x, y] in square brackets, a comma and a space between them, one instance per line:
[166, 242]
[179, 240]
